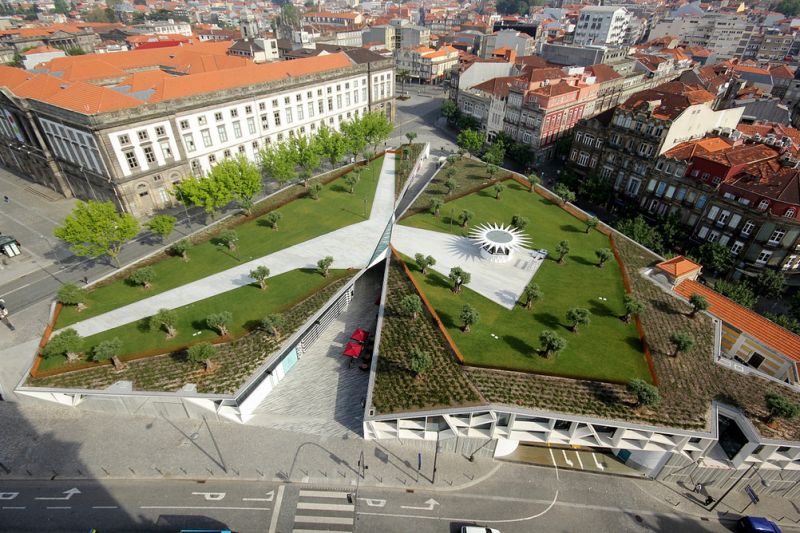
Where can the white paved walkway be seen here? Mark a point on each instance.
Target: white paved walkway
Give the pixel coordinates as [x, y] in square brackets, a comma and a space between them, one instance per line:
[502, 283]
[337, 244]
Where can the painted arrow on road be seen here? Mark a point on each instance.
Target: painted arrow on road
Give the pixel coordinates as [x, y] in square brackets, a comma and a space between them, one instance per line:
[8, 495]
[67, 495]
[429, 505]
[270, 495]
[210, 496]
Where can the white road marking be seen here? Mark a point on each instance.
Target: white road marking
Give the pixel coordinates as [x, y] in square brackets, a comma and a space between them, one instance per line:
[429, 505]
[316, 531]
[270, 496]
[323, 494]
[273, 523]
[325, 506]
[61, 507]
[67, 495]
[566, 459]
[324, 520]
[553, 458]
[8, 495]
[105, 507]
[204, 507]
[210, 496]
[12, 508]
[596, 462]
[373, 502]
[578, 455]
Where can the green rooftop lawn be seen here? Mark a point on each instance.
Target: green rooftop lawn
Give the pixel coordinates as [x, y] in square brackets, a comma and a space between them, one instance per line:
[247, 304]
[303, 219]
[606, 350]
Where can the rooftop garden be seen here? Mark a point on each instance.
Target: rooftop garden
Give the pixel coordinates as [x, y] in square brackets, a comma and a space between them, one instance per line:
[606, 349]
[301, 218]
[687, 383]
[404, 163]
[293, 297]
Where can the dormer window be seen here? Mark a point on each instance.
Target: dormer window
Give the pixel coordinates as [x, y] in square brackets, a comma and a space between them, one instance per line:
[763, 205]
[790, 212]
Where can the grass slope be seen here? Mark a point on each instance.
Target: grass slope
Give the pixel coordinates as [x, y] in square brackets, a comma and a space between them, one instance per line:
[608, 349]
[248, 305]
[302, 220]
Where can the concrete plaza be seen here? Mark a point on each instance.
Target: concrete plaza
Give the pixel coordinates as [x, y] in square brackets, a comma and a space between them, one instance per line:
[502, 283]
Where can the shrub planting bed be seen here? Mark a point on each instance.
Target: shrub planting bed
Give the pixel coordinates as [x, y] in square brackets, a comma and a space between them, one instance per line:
[235, 362]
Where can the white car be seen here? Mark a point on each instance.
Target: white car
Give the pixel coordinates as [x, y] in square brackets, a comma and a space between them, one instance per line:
[478, 529]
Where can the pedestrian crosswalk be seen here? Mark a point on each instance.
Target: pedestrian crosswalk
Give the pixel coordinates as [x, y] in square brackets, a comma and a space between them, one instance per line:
[322, 510]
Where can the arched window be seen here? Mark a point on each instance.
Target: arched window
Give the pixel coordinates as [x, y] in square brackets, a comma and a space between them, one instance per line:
[790, 212]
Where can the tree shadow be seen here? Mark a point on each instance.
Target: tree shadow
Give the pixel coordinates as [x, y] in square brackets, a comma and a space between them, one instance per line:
[143, 326]
[447, 319]
[635, 343]
[605, 393]
[519, 345]
[599, 308]
[439, 282]
[581, 260]
[569, 228]
[200, 325]
[549, 320]
[336, 187]
[664, 307]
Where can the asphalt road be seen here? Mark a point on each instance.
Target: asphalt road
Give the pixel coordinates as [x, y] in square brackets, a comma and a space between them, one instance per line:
[575, 502]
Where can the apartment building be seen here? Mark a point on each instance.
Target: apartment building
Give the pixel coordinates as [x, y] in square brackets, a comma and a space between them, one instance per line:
[725, 34]
[167, 27]
[602, 25]
[337, 19]
[397, 35]
[542, 102]
[427, 65]
[522, 43]
[128, 134]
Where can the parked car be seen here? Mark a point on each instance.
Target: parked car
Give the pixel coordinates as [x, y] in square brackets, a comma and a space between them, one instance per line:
[478, 529]
[756, 524]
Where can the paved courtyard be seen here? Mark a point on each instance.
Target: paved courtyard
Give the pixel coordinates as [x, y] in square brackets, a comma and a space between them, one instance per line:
[321, 395]
[337, 244]
[502, 283]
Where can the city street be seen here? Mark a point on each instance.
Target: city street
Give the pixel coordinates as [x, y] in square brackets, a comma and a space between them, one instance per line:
[542, 504]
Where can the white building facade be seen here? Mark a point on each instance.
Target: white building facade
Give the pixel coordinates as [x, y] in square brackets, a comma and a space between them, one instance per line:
[603, 25]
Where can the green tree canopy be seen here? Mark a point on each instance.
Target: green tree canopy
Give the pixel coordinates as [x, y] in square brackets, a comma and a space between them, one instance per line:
[166, 319]
[738, 291]
[603, 255]
[220, 321]
[577, 316]
[201, 352]
[273, 324]
[640, 231]
[424, 261]
[241, 177]
[411, 304]
[66, 343]
[532, 294]
[770, 283]
[562, 249]
[71, 294]
[95, 229]
[161, 225]
[211, 193]
[108, 349]
[780, 407]
[324, 265]
[143, 276]
[331, 144]
[698, 303]
[645, 393]
[682, 341]
[632, 307]
[458, 278]
[421, 362]
[551, 342]
[715, 256]
[469, 316]
[470, 140]
[260, 274]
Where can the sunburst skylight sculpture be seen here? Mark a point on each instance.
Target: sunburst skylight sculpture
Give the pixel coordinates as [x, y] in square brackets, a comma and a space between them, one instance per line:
[498, 242]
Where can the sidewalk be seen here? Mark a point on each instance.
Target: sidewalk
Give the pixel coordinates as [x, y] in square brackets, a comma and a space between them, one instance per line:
[730, 506]
[71, 444]
[303, 255]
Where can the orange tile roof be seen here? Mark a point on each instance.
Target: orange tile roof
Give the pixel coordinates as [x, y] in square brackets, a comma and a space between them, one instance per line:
[745, 320]
[90, 99]
[678, 266]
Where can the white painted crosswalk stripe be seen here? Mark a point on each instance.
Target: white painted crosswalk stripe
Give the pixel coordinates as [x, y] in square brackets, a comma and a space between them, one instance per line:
[324, 520]
[323, 494]
[326, 506]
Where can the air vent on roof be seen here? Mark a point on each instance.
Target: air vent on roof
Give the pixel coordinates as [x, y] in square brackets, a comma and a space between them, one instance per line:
[757, 137]
[770, 141]
[63, 86]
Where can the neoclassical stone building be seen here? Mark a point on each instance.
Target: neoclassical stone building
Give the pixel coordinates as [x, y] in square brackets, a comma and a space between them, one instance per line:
[128, 131]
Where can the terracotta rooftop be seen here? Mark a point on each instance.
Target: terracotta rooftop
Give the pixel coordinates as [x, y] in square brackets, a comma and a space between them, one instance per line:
[782, 71]
[670, 99]
[678, 266]
[603, 72]
[771, 180]
[770, 128]
[689, 149]
[41, 50]
[743, 154]
[745, 320]
[497, 86]
[90, 99]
